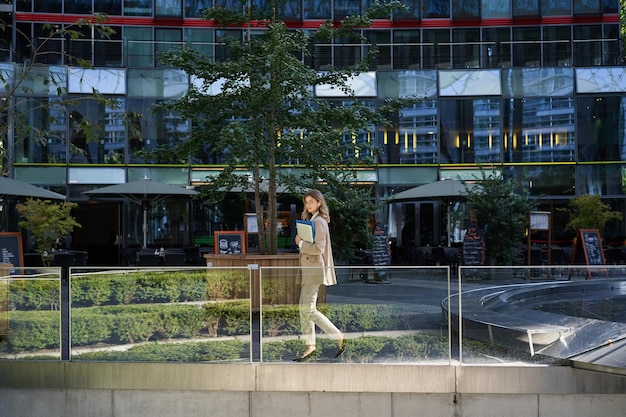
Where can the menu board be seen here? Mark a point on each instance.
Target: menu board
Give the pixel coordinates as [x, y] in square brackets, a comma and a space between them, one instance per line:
[473, 246]
[11, 249]
[588, 248]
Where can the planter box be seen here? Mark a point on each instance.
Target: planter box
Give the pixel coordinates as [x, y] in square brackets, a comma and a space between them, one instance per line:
[281, 285]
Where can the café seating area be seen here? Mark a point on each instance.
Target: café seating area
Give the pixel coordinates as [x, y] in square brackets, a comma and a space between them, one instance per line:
[62, 258]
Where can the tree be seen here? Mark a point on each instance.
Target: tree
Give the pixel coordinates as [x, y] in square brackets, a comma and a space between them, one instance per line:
[48, 222]
[589, 212]
[502, 213]
[258, 110]
[24, 83]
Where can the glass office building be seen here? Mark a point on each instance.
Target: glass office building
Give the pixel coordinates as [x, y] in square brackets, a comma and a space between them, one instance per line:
[534, 89]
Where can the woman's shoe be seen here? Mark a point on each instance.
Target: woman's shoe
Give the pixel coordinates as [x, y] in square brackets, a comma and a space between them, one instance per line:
[304, 358]
[340, 352]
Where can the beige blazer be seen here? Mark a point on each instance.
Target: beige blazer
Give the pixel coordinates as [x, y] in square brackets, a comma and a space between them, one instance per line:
[318, 254]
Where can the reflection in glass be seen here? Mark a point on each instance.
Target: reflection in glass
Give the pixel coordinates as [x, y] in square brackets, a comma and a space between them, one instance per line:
[138, 7]
[416, 137]
[495, 8]
[556, 7]
[605, 180]
[168, 8]
[412, 12]
[193, 8]
[317, 9]
[40, 131]
[466, 9]
[539, 130]
[601, 131]
[470, 131]
[586, 7]
[106, 144]
[436, 8]
[541, 180]
[138, 42]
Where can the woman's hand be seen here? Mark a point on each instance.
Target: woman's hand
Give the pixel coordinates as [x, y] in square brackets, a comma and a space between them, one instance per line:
[298, 240]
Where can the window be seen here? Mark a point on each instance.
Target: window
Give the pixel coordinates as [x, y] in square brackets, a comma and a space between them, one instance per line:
[168, 8]
[556, 7]
[470, 131]
[78, 6]
[193, 8]
[33, 117]
[48, 6]
[166, 39]
[436, 8]
[601, 131]
[110, 7]
[317, 9]
[406, 49]
[539, 130]
[138, 42]
[495, 8]
[526, 52]
[557, 46]
[108, 51]
[138, 7]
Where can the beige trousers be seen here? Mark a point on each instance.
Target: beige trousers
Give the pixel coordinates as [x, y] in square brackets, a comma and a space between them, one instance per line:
[310, 315]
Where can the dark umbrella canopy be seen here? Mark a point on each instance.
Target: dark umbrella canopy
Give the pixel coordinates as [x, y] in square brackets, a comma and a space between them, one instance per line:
[14, 188]
[445, 190]
[142, 192]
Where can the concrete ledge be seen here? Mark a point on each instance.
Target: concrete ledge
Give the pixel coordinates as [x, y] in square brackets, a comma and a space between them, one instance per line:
[81, 389]
[287, 377]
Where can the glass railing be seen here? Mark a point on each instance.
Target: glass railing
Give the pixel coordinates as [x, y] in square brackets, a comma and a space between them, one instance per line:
[181, 314]
[387, 315]
[30, 314]
[530, 315]
[537, 314]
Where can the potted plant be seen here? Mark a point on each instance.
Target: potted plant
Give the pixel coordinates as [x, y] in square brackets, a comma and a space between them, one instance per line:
[589, 212]
[48, 224]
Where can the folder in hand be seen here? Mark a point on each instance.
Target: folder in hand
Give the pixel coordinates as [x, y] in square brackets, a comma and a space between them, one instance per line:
[306, 230]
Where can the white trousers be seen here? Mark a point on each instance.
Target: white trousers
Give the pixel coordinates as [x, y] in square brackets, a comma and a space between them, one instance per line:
[310, 316]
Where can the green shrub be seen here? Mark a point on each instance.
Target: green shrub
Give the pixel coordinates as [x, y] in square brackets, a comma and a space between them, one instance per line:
[232, 350]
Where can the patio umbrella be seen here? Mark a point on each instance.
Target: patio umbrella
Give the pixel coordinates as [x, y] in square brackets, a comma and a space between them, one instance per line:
[14, 188]
[445, 191]
[142, 192]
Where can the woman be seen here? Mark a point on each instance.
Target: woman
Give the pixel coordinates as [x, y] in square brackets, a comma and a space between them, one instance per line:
[316, 254]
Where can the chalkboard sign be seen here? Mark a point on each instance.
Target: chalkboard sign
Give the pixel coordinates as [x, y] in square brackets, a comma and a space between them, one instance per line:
[230, 242]
[11, 249]
[381, 255]
[588, 249]
[473, 246]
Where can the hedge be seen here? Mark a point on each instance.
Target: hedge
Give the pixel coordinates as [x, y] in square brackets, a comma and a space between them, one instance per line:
[118, 325]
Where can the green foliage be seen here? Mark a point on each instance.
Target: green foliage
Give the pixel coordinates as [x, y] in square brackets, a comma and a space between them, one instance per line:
[589, 212]
[232, 350]
[502, 212]
[265, 114]
[48, 223]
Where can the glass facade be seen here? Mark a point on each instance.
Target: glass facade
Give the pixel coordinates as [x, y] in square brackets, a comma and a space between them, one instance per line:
[499, 87]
